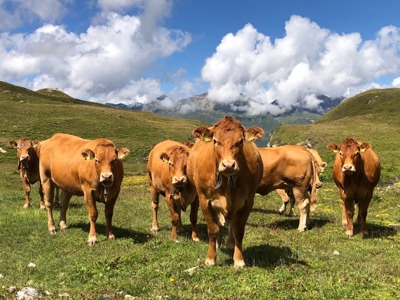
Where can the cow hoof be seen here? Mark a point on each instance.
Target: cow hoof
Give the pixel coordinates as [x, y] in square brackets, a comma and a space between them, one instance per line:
[364, 235]
[154, 229]
[111, 237]
[63, 226]
[52, 230]
[349, 233]
[195, 239]
[210, 262]
[302, 229]
[240, 264]
[26, 206]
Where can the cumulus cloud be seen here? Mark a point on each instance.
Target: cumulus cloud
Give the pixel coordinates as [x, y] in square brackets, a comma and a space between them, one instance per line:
[293, 70]
[104, 63]
[14, 13]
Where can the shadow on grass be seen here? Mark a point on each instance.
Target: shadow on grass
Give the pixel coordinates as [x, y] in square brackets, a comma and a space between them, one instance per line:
[267, 256]
[375, 231]
[120, 233]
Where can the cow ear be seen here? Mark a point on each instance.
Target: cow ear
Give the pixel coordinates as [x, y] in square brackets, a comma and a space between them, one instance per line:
[203, 133]
[123, 152]
[333, 147]
[164, 157]
[88, 154]
[13, 143]
[364, 146]
[254, 133]
[35, 143]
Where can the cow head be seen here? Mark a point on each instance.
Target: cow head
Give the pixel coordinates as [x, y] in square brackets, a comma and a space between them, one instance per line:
[228, 137]
[349, 152]
[105, 157]
[25, 150]
[177, 161]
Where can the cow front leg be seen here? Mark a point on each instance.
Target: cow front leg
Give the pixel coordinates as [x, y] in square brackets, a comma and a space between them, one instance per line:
[349, 212]
[194, 209]
[109, 212]
[175, 216]
[27, 189]
[212, 229]
[362, 216]
[92, 214]
[48, 191]
[41, 194]
[155, 198]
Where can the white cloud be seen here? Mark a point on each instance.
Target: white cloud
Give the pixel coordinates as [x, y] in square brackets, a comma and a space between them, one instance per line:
[294, 69]
[14, 13]
[107, 58]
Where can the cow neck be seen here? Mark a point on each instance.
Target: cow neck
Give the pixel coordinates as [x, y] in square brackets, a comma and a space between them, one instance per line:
[104, 194]
[231, 181]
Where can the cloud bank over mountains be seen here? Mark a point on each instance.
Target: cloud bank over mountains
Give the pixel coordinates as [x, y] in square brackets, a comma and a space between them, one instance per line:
[114, 58]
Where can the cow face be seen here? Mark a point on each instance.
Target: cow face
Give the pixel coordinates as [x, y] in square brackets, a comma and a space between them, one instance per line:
[349, 153]
[105, 157]
[177, 161]
[228, 137]
[25, 149]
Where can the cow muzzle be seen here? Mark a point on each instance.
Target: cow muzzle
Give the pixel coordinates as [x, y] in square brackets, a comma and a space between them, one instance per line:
[179, 182]
[348, 168]
[228, 167]
[106, 179]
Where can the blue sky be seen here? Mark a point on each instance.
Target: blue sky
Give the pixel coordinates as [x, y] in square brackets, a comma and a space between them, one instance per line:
[282, 54]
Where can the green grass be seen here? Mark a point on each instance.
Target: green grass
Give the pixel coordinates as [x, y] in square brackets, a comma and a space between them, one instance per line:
[321, 263]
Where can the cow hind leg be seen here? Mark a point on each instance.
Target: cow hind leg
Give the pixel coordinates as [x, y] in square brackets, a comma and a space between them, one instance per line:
[92, 214]
[41, 194]
[194, 209]
[64, 203]
[303, 202]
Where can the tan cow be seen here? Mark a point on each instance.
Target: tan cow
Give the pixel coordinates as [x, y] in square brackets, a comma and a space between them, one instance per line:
[225, 167]
[89, 168]
[28, 166]
[292, 169]
[166, 170]
[319, 168]
[356, 172]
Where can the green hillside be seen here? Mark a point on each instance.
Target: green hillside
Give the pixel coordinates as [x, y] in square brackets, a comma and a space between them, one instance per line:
[38, 115]
[372, 116]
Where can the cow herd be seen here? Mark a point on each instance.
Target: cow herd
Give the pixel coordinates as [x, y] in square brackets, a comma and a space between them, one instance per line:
[221, 172]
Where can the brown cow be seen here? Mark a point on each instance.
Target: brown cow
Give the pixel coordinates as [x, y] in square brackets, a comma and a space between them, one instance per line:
[319, 168]
[356, 172]
[166, 170]
[292, 169]
[89, 168]
[225, 167]
[28, 166]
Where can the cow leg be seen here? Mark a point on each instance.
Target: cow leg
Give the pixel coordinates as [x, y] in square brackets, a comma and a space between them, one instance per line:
[27, 188]
[48, 191]
[292, 201]
[303, 202]
[349, 212]
[41, 194]
[93, 214]
[362, 215]
[175, 218]
[239, 220]
[109, 212]
[155, 198]
[284, 198]
[212, 229]
[57, 197]
[194, 209]
[344, 216]
[64, 204]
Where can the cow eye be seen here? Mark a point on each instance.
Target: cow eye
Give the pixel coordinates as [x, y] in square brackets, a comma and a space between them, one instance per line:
[341, 153]
[97, 160]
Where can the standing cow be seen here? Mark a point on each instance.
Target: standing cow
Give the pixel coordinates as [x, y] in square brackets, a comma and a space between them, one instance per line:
[319, 167]
[89, 168]
[225, 167]
[28, 166]
[292, 169]
[166, 170]
[356, 172]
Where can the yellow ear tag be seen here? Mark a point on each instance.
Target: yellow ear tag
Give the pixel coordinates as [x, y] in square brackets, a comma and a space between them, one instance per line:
[362, 150]
[206, 139]
[334, 151]
[87, 157]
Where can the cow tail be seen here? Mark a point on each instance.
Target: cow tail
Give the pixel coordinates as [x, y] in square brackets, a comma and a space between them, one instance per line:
[313, 195]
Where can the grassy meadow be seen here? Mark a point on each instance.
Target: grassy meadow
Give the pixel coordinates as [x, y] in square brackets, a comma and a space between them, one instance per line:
[321, 263]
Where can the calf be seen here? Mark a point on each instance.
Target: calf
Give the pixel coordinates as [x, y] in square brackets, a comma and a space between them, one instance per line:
[225, 167]
[166, 170]
[356, 172]
[89, 168]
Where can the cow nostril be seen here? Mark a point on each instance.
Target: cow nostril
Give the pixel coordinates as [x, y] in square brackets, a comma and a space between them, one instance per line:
[228, 164]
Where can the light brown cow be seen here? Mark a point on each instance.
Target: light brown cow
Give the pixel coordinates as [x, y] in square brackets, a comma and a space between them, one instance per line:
[292, 169]
[89, 168]
[319, 168]
[225, 167]
[28, 166]
[356, 172]
[166, 170]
